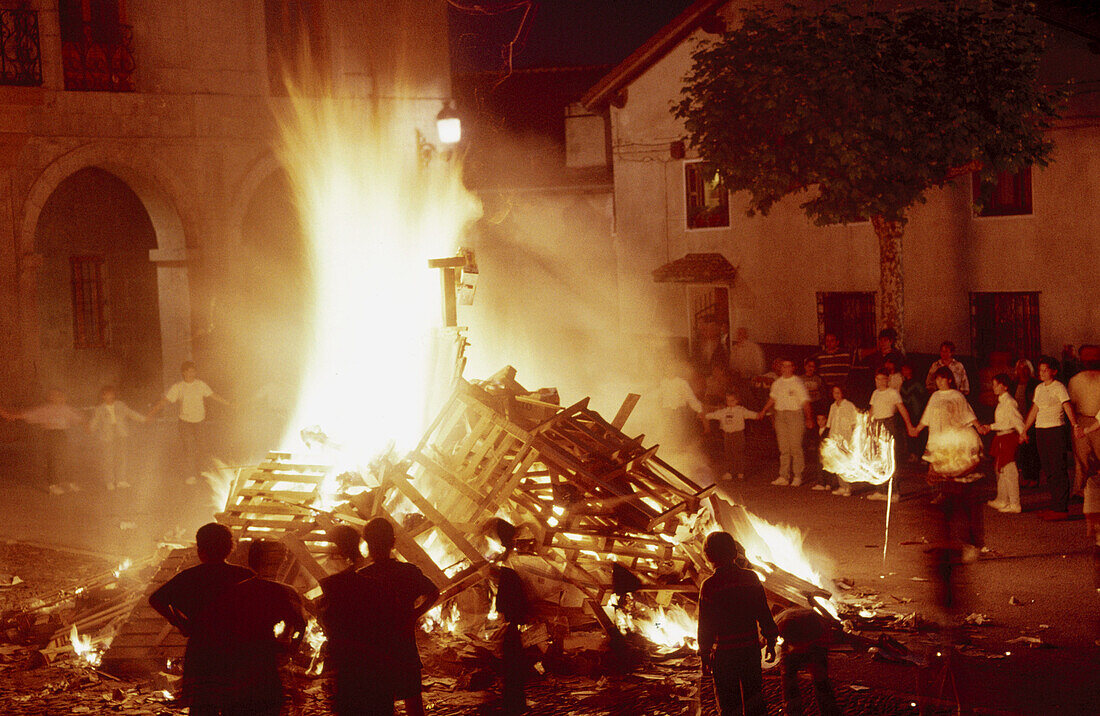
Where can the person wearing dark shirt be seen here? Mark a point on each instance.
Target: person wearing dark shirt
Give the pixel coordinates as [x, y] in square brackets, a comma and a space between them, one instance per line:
[805, 646]
[184, 600]
[732, 605]
[833, 363]
[403, 594]
[257, 621]
[355, 649]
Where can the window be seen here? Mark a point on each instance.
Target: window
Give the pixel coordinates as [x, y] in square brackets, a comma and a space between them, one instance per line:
[294, 33]
[1005, 322]
[89, 302]
[97, 51]
[1009, 195]
[707, 200]
[850, 316]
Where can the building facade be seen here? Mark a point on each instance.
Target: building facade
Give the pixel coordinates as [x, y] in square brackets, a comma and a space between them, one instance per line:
[145, 211]
[1016, 277]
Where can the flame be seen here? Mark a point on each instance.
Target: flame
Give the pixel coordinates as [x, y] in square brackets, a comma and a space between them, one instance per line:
[669, 629]
[436, 621]
[374, 212]
[122, 567]
[82, 647]
[315, 638]
[867, 457]
[953, 451]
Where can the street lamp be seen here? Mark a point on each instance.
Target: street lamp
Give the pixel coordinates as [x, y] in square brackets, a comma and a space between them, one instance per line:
[448, 125]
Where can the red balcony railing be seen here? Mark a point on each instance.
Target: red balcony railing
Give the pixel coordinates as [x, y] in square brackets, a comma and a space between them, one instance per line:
[102, 59]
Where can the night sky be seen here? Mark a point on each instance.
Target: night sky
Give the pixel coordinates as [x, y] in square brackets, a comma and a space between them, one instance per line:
[557, 33]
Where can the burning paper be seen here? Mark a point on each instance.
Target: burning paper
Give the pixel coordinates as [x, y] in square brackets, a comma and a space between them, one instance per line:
[867, 456]
[82, 646]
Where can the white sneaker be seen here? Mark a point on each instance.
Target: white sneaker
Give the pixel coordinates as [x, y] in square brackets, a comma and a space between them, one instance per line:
[819, 486]
[797, 482]
[110, 487]
[843, 491]
[997, 505]
[190, 481]
[122, 484]
[781, 481]
[881, 497]
[56, 490]
[1012, 509]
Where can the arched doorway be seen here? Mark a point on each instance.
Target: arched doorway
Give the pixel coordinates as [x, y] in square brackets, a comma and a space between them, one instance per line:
[98, 306]
[268, 311]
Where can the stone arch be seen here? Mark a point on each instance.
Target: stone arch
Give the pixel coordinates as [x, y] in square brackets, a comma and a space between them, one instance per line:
[163, 196]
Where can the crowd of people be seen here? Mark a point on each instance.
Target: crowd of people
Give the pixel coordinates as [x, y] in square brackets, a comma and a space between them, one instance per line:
[1038, 420]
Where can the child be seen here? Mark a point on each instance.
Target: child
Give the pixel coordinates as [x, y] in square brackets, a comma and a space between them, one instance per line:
[805, 646]
[108, 425]
[732, 421]
[732, 605]
[842, 425]
[915, 396]
[885, 406]
[404, 594]
[191, 394]
[54, 417]
[184, 601]
[1009, 426]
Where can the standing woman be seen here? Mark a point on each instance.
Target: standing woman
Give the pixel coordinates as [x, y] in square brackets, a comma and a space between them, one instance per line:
[841, 425]
[1050, 403]
[953, 451]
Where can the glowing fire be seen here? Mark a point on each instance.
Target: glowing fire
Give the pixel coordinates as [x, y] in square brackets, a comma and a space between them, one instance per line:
[867, 457]
[953, 451]
[670, 628]
[82, 647]
[436, 620]
[374, 213]
[122, 567]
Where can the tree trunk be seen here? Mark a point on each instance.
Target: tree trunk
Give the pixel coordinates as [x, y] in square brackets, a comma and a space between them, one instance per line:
[891, 288]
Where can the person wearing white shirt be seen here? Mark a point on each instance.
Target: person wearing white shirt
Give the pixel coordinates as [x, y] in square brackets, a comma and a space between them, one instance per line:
[947, 360]
[731, 419]
[842, 426]
[1008, 426]
[109, 426]
[1050, 402]
[191, 394]
[793, 417]
[53, 418]
[886, 405]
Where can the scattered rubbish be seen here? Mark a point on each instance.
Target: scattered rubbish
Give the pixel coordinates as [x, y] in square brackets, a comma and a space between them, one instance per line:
[127, 525]
[918, 579]
[978, 619]
[857, 687]
[1032, 641]
[9, 580]
[1018, 603]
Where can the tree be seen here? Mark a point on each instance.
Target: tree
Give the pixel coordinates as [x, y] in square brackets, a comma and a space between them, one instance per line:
[862, 112]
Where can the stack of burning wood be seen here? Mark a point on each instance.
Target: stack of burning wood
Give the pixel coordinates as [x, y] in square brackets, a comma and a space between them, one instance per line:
[588, 514]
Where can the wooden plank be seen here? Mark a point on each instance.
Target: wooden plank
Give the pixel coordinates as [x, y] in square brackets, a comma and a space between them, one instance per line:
[442, 523]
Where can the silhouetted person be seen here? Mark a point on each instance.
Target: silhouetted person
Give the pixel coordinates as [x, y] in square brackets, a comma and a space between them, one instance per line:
[731, 607]
[258, 621]
[404, 594]
[184, 601]
[356, 651]
[805, 646]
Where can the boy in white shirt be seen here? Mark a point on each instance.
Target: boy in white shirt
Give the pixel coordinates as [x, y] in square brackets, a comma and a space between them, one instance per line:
[886, 405]
[732, 421]
[191, 394]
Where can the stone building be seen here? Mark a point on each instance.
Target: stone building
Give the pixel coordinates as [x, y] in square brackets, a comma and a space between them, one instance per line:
[1018, 277]
[146, 215]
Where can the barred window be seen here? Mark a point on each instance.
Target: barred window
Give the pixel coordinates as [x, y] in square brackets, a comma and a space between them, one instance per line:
[89, 302]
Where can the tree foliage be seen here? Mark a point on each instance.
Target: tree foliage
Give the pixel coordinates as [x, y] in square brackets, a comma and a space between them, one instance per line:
[865, 111]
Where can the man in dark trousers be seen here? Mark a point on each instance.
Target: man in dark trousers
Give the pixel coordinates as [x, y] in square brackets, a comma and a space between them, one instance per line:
[356, 652]
[403, 594]
[732, 606]
[185, 600]
[257, 621]
[805, 646]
